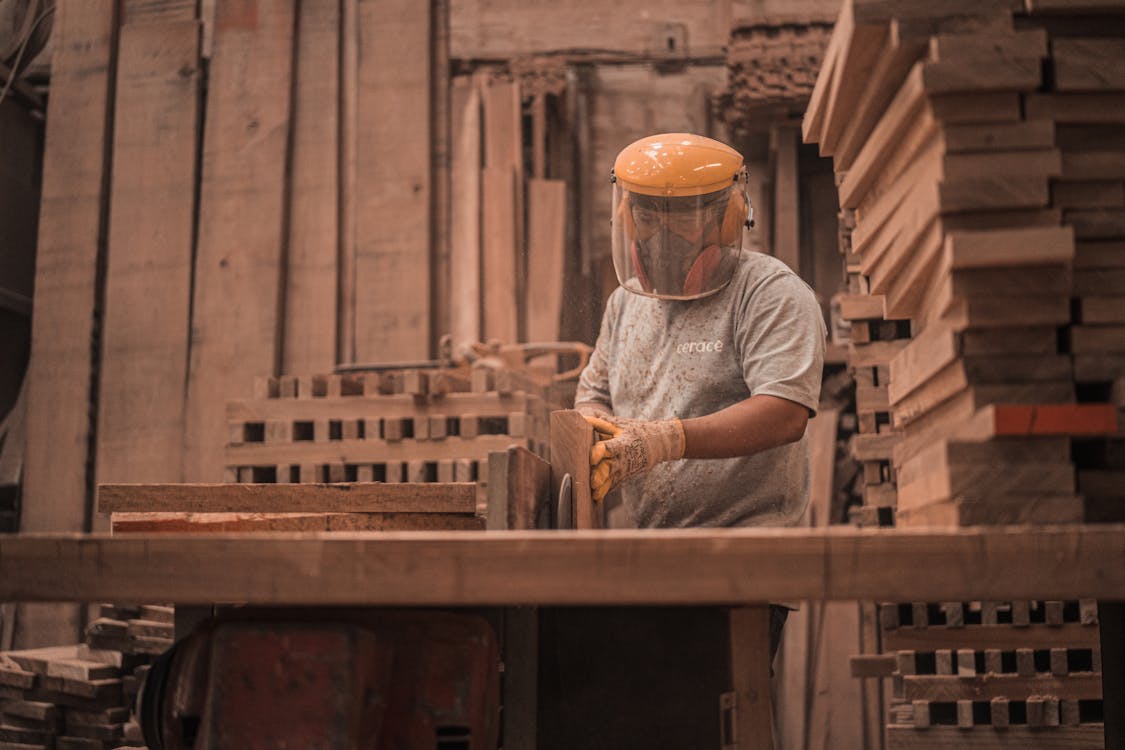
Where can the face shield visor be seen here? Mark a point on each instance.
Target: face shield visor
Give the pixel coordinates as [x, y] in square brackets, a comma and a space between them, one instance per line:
[678, 247]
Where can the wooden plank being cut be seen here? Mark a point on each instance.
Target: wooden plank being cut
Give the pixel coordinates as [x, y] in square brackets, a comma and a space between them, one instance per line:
[393, 169]
[70, 227]
[465, 221]
[619, 567]
[1089, 64]
[151, 231]
[311, 278]
[434, 497]
[571, 440]
[546, 253]
[235, 326]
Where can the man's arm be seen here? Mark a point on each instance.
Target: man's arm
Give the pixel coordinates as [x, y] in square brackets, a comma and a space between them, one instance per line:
[743, 429]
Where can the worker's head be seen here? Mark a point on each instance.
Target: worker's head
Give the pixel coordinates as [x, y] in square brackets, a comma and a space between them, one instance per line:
[679, 206]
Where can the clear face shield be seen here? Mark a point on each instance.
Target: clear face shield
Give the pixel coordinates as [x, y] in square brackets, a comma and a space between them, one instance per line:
[681, 247]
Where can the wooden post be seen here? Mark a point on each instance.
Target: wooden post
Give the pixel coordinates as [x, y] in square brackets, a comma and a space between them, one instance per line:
[787, 198]
[750, 675]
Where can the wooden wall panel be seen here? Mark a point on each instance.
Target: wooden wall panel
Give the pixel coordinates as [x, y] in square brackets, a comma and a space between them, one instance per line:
[71, 222]
[234, 335]
[309, 344]
[392, 245]
[148, 272]
[465, 227]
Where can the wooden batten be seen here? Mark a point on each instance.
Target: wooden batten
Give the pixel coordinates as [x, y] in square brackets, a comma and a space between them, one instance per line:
[465, 221]
[152, 214]
[311, 265]
[393, 172]
[546, 254]
[235, 326]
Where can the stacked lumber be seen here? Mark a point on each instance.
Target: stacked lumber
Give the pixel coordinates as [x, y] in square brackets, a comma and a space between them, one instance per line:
[770, 66]
[981, 192]
[950, 179]
[79, 697]
[1014, 668]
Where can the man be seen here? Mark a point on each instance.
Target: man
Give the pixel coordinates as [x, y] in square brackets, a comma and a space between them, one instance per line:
[708, 364]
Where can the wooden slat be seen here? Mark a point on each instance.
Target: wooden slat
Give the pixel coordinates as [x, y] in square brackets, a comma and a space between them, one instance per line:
[1087, 737]
[309, 342]
[1002, 637]
[228, 523]
[392, 252]
[366, 451]
[498, 226]
[1089, 64]
[152, 216]
[615, 566]
[445, 497]
[465, 243]
[241, 221]
[70, 225]
[750, 676]
[943, 688]
[401, 405]
[546, 253]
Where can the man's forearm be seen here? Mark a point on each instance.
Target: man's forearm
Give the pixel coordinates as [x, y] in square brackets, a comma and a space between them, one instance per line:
[748, 427]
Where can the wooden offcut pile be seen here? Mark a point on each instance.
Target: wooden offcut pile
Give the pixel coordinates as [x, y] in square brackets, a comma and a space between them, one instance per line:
[980, 159]
[80, 697]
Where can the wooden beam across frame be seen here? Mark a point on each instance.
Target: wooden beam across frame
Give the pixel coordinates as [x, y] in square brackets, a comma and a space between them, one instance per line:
[603, 567]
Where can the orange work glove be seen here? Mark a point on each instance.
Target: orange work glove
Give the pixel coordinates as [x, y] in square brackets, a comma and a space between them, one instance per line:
[627, 447]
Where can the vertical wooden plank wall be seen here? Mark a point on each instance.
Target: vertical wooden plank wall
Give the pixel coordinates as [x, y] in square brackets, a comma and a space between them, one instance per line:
[148, 269]
[392, 243]
[70, 232]
[241, 228]
[311, 277]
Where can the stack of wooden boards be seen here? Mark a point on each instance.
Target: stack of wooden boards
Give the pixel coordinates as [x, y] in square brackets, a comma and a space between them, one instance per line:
[80, 697]
[1025, 668]
[978, 151]
[399, 450]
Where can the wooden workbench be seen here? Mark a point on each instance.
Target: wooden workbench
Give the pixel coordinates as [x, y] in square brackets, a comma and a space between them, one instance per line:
[610, 567]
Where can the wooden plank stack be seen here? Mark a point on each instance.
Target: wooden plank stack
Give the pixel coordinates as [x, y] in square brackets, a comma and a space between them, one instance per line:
[978, 157]
[79, 697]
[1009, 670]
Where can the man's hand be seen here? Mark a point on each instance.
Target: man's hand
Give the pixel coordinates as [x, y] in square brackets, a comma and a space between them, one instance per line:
[627, 447]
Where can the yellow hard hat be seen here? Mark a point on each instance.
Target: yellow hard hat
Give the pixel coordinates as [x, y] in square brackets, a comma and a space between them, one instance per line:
[680, 205]
[676, 164]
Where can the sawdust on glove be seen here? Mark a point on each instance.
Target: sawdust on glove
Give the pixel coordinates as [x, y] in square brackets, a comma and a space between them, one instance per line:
[627, 447]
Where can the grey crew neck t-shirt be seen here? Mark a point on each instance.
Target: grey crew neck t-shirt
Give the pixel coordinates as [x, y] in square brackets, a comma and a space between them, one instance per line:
[656, 359]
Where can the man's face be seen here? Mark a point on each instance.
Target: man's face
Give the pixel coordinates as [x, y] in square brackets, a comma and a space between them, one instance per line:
[670, 235]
